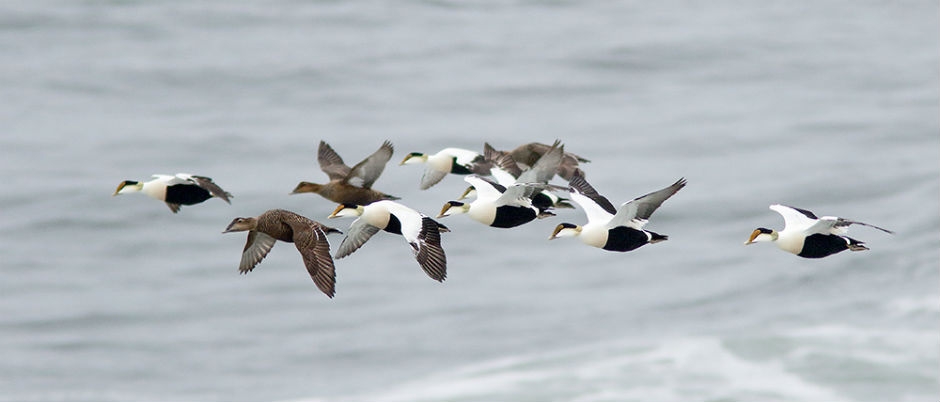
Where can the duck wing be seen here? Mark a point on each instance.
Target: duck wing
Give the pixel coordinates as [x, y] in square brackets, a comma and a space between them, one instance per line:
[210, 186]
[257, 247]
[545, 167]
[428, 251]
[310, 239]
[369, 169]
[636, 212]
[358, 234]
[331, 163]
[583, 188]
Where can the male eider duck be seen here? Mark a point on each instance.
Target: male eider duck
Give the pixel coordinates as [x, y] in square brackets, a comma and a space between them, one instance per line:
[807, 236]
[507, 173]
[448, 160]
[609, 228]
[349, 185]
[309, 236]
[422, 233]
[498, 206]
[182, 189]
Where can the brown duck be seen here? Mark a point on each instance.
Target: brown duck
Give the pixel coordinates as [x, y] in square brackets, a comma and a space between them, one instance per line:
[527, 155]
[309, 237]
[349, 185]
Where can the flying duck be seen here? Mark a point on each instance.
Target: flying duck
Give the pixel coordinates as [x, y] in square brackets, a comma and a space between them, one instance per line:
[178, 190]
[529, 154]
[507, 173]
[420, 231]
[309, 236]
[448, 160]
[609, 228]
[349, 185]
[498, 206]
[808, 236]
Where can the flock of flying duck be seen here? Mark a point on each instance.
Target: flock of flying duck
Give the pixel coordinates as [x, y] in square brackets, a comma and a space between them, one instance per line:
[510, 188]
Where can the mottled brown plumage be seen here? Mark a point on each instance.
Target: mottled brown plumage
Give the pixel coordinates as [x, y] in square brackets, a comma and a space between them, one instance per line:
[309, 236]
[349, 185]
[529, 154]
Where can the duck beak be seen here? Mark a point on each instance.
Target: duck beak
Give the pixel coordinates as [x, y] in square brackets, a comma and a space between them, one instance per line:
[405, 160]
[336, 211]
[555, 232]
[443, 210]
[465, 193]
[753, 236]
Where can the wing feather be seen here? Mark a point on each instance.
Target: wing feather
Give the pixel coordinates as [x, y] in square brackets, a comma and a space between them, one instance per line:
[637, 211]
[311, 241]
[257, 247]
[583, 188]
[358, 234]
[331, 163]
[369, 169]
[210, 186]
[428, 251]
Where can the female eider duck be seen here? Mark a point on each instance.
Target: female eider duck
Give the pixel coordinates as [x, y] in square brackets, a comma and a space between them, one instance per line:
[507, 173]
[498, 206]
[529, 154]
[309, 236]
[808, 236]
[349, 185]
[182, 189]
[609, 228]
[422, 233]
[448, 160]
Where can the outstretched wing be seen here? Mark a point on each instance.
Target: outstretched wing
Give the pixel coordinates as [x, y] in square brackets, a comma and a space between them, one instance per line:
[210, 186]
[635, 212]
[545, 167]
[428, 250]
[310, 239]
[331, 163]
[358, 234]
[838, 226]
[798, 219]
[578, 183]
[431, 177]
[486, 189]
[257, 247]
[369, 169]
[842, 222]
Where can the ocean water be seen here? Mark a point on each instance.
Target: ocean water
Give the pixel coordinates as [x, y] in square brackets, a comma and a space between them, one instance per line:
[830, 106]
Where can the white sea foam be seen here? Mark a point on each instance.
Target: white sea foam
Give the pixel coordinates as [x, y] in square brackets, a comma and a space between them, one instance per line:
[681, 369]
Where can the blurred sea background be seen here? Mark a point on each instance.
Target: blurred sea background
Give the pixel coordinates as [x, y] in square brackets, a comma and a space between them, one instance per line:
[832, 106]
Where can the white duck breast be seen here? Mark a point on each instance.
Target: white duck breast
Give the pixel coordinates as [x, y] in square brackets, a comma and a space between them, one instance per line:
[178, 190]
[609, 228]
[498, 206]
[809, 236]
[446, 161]
[422, 233]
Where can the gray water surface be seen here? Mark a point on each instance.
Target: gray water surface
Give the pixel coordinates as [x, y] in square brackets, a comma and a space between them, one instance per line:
[830, 106]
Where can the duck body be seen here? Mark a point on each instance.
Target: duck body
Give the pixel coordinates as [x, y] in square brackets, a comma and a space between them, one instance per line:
[498, 206]
[614, 229]
[280, 225]
[349, 185]
[343, 193]
[176, 190]
[421, 232]
[808, 236]
[457, 161]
